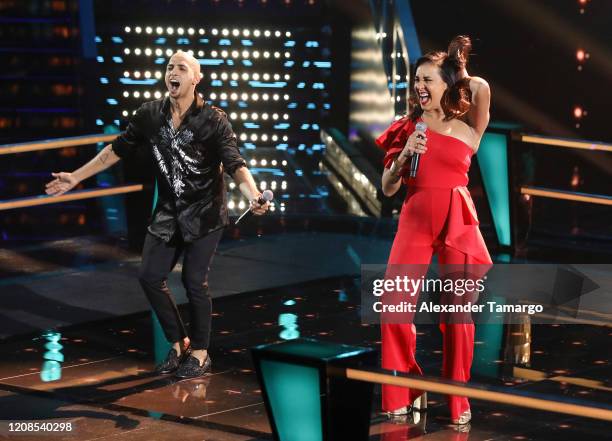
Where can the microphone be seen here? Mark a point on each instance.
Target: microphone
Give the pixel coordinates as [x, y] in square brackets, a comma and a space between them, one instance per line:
[414, 164]
[266, 196]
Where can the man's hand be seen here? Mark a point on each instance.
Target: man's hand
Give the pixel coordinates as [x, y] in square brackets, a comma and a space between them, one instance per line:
[258, 208]
[62, 183]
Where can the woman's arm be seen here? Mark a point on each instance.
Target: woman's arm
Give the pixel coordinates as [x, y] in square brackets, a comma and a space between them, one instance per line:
[478, 116]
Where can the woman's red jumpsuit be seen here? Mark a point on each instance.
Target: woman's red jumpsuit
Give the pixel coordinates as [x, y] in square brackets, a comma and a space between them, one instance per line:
[438, 216]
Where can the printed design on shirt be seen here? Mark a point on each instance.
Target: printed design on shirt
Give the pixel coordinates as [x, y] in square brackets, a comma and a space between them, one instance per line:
[176, 165]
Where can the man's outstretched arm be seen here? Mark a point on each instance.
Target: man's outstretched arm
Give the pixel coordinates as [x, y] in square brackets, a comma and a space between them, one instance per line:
[64, 181]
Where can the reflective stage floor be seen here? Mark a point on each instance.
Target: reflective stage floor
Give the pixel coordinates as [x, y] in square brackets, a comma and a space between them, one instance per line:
[105, 389]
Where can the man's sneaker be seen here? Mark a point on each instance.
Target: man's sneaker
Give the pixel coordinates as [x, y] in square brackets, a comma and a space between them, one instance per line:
[171, 363]
[191, 368]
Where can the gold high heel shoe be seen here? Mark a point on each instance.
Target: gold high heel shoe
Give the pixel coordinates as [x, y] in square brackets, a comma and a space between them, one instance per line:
[464, 418]
[419, 405]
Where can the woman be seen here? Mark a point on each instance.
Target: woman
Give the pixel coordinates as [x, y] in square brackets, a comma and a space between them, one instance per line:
[438, 215]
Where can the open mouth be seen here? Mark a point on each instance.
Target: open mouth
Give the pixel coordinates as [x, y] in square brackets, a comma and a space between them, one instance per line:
[174, 85]
[424, 98]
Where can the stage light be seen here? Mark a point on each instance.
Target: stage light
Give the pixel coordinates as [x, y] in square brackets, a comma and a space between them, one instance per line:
[287, 55]
[253, 162]
[149, 30]
[225, 32]
[256, 33]
[137, 51]
[263, 185]
[180, 31]
[213, 96]
[191, 31]
[275, 97]
[256, 54]
[125, 113]
[148, 52]
[256, 76]
[137, 74]
[190, 52]
[285, 138]
[235, 32]
[244, 96]
[254, 116]
[223, 54]
[264, 137]
[215, 32]
[285, 96]
[147, 74]
[147, 94]
[267, 33]
[245, 54]
[233, 115]
[285, 116]
[170, 31]
[241, 205]
[277, 34]
[243, 137]
[245, 76]
[254, 137]
[136, 94]
[213, 54]
[287, 76]
[274, 138]
[158, 52]
[213, 75]
[266, 77]
[284, 163]
[581, 55]
[265, 115]
[266, 54]
[234, 75]
[243, 116]
[126, 94]
[235, 54]
[287, 34]
[578, 112]
[224, 76]
[230, 205]
[126, 74]
[274, 163]
[223, 96]
[275, 116]
[138, 29]
[276, 54]
[265, 97]
[157, 95]
[234, 96]
[284, 183]
[263, 162]
[127, 29]
[201, 31]
[276, 77]
[246, 32]
[200, 53]
[273, 184]
[159, 30]
[232, 185]
[168, 52]
[126, 51]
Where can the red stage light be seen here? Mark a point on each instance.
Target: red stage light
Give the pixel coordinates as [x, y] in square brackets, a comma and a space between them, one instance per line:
[580, 55]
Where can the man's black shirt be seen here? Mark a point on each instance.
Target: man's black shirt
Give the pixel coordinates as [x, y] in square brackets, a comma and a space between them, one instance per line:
[190, 164]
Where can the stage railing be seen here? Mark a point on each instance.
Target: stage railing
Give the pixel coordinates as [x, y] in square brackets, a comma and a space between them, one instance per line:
[47, 144]
[548, 404]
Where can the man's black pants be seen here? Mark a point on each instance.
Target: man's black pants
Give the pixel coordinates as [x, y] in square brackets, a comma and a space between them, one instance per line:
[158, 260]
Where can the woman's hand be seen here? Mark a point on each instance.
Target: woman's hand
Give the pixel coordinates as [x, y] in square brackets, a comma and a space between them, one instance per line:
[416, 143]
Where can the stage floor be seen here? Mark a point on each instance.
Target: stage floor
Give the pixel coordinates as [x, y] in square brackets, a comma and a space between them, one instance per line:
[106, 390]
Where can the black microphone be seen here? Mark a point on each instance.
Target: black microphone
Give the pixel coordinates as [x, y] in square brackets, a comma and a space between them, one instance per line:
[266, 196]
[414, 164]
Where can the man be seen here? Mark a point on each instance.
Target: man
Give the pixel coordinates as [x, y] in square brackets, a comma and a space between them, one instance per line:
[192, 144]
